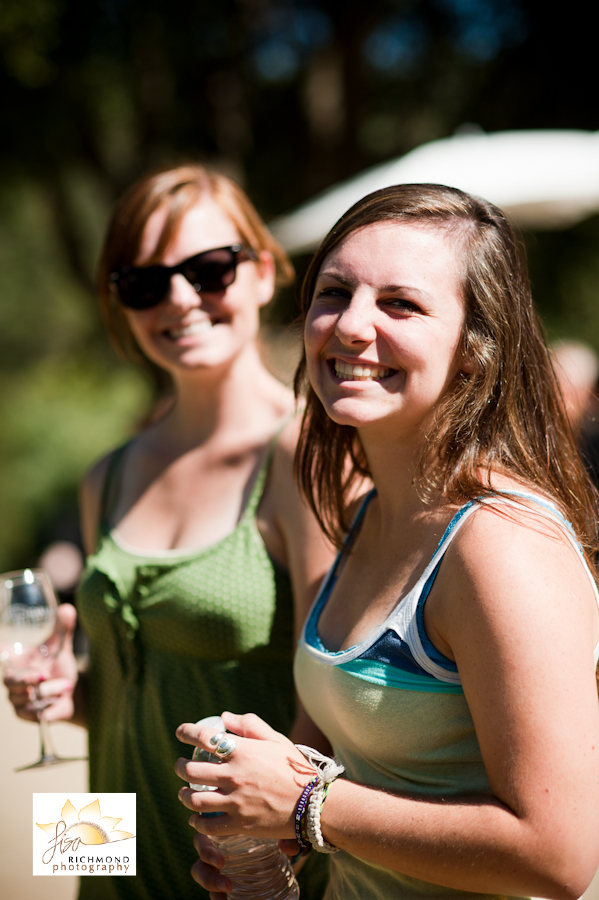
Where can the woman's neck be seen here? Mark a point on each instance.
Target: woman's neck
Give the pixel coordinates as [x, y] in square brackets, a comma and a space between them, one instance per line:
[393, 462]
[224, 401]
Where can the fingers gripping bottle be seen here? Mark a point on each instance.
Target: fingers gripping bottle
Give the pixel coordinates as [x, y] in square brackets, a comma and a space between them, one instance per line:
[258, 869]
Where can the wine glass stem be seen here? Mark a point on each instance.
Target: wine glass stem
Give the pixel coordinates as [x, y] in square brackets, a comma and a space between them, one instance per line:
[46, 748]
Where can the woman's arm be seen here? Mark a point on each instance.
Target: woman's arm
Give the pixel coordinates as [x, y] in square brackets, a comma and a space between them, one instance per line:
[90, 500]
[291, 532]
[66, 686]
[517, 611]
[298, 543]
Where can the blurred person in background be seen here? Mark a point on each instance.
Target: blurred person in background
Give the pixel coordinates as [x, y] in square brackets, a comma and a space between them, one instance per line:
[63, 561]
[577, 369]
[203, 558]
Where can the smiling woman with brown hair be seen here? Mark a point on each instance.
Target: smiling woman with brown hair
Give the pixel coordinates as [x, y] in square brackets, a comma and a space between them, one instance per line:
[449, 657]
[203, 558]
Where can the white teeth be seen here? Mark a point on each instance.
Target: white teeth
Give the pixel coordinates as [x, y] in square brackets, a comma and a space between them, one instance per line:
[360, 373]
[193, 329]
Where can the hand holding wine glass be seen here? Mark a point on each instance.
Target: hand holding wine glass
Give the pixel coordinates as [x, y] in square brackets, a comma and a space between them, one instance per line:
[39, 664]
[56, 684]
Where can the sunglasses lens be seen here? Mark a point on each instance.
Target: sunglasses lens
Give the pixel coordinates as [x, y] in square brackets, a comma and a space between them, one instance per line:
[214, 270]
[142, 288]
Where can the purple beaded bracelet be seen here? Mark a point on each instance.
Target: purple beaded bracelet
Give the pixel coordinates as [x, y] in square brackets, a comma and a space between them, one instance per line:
[300, 811]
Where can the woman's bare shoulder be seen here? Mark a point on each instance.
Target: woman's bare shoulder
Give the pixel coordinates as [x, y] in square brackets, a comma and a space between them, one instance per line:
[95, 476]
[516, 526]
[511, 573]
[517, 508]
[282, 489]
[90, 498]
[521, 553]
[289, 434]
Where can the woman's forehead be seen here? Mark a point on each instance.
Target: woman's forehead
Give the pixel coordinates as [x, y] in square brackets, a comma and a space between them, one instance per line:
[203, 226]
[391, 243]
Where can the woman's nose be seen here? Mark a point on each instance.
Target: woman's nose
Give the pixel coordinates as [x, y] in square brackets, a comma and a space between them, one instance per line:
[356, 322]
[181, 293]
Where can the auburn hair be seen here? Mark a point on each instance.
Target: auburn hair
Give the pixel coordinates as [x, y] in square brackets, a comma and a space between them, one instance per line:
[505, 415]
[178, 189]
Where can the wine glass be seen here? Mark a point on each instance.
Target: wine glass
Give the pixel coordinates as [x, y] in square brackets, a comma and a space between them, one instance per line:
[30, 640]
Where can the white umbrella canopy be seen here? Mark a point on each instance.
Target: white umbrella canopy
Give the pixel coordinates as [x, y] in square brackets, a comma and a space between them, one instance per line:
[541, 179]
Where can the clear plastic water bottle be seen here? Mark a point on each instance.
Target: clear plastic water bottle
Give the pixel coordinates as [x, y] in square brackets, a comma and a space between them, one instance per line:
[258, 869]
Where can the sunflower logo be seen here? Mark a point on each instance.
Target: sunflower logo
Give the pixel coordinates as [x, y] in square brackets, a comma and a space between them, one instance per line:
[89, 825]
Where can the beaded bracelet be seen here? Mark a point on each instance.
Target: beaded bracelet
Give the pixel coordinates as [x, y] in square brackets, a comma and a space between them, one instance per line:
[299, 814]
[307, 820]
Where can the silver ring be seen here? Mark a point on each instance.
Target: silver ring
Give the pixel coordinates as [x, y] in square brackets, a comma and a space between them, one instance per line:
[223, 744]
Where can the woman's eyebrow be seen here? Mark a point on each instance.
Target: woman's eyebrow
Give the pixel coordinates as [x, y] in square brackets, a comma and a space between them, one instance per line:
[387, 288]
[391, 288]
[332, 273]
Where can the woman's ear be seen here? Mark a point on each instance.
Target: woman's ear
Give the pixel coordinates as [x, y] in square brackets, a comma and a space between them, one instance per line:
[467, 365]
[266, 276]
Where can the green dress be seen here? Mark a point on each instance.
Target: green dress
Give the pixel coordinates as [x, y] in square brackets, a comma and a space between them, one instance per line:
[174, 637]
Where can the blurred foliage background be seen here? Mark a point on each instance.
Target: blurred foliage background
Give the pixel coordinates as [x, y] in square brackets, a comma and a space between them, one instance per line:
[287, 96]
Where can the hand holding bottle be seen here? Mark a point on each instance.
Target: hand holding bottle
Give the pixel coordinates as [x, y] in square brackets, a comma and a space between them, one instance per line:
[252, 868]
[258, 786]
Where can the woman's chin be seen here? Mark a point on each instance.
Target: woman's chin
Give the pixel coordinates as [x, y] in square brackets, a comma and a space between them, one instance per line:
[176, 358]
[354, 414]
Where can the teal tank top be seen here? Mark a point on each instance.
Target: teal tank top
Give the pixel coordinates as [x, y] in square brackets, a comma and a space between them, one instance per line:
[174, 637]
[395, 713]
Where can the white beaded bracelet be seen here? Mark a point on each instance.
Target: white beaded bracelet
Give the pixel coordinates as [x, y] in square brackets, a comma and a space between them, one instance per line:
[327, 770]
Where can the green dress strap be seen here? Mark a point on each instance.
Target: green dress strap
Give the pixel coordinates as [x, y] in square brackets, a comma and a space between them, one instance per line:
[109, 490]
[258, 487]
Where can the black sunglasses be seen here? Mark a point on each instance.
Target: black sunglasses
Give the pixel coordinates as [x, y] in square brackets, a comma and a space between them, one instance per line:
[141, 287]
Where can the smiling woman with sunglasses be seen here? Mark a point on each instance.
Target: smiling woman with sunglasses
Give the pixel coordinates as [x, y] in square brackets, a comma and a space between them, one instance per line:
[203, 559]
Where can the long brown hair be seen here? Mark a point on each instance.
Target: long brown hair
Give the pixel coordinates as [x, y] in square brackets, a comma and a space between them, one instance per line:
[507, 415]
[178, 189]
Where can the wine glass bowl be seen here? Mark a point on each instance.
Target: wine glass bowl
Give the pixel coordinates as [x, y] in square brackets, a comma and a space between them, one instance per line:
[27, 616]
[31, 637]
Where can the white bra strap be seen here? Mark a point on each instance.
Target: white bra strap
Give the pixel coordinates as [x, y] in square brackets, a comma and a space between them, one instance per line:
[404, 618]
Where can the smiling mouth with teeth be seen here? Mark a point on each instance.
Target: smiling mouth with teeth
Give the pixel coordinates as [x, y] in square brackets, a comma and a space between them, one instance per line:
[190, 330]
[361, 373]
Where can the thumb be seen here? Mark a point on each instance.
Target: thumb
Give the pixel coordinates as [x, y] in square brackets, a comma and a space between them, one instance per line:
[67, 616]
[55, 687]
[251, 726]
